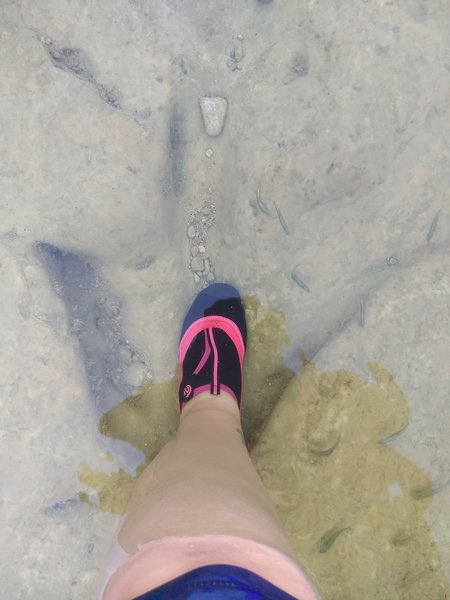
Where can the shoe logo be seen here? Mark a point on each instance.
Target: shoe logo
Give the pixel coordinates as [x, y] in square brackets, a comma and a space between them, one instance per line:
[187, 390]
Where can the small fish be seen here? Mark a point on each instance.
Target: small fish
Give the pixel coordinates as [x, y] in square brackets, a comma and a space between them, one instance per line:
[392, 436]
[262, 207]
[401, 537]
[298, 281]
[326, 451]
[362, 312]
[433, 226]
[329, 537]
[391, 261]
[61, 506]
[282, 220]
[370, 271]
[413, 576]
[425, 491]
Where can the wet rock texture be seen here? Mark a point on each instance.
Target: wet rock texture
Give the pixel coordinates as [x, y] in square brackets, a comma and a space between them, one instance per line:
[117, 206]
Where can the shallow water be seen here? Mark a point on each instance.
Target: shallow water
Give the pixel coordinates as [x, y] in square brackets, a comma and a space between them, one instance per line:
[337, 122]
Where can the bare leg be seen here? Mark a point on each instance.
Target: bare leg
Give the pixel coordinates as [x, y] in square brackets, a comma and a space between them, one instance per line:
[203, 482]
[199, 502]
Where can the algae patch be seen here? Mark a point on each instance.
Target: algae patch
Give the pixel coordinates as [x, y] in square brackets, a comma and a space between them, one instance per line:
[112, 489]
[381, 546]
[146, 420]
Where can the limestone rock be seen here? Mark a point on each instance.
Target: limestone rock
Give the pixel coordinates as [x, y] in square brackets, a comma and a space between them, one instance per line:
[214, 112]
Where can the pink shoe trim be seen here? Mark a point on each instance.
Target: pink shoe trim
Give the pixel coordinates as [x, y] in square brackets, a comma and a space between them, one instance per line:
[197, 391]
[226, 325]
[215, 387]
[201, 389]
[205, 356]
[225, 388]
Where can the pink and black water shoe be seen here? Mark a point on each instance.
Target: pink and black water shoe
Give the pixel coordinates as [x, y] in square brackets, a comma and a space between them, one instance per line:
[212, 345]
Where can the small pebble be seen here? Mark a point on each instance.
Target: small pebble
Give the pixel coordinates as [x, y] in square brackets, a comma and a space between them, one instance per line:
[197, 264]
[206, 269]
[135, 374]
[240, 37]
[209, 152]
[206, 210]
[196, 278]
[84, 577]
[191, 232]
[210, 277]
[194, 251]
[201, 249]
[391, 261]
[125, 353]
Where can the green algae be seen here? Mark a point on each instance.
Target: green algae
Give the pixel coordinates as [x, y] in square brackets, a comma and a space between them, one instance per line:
[112, 489]
[388, 552]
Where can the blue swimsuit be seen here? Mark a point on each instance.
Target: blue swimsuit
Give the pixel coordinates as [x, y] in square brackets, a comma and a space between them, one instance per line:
[217, 582]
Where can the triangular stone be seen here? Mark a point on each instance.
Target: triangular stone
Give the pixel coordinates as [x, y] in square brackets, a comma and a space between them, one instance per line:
[214, 112]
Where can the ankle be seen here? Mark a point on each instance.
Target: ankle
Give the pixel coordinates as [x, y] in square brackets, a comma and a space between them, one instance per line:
[206, 401]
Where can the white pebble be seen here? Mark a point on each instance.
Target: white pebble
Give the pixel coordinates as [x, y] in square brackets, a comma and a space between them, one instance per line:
[191, 232]
[136, 374]
[209, 152]
[201, 249]
[214, 112]
[197, 264]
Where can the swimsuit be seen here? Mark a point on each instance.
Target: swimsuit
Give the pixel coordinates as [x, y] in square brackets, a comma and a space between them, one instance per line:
[217, 582]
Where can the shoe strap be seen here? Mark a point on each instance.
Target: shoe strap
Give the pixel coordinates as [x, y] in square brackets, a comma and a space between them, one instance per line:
[213, 321]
